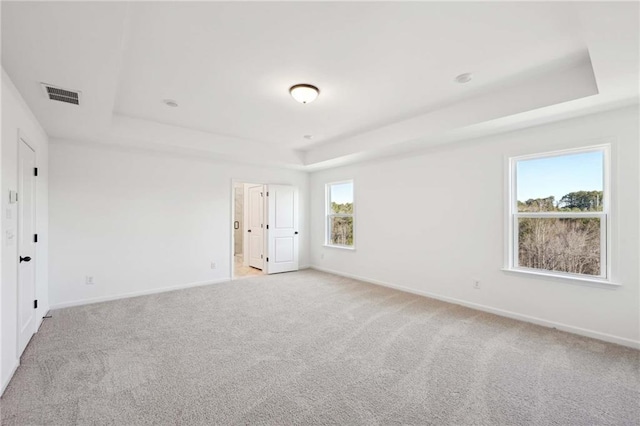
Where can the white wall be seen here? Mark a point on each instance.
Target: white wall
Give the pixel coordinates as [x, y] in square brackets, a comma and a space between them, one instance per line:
[433, 222]
[16, 116]
[140, 222]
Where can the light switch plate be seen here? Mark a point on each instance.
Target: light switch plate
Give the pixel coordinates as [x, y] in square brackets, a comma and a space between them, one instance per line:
[10, 237]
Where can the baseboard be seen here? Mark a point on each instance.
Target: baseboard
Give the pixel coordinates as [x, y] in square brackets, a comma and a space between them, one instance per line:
[44, 311]
[135, 294]
[504, 313]
[6, 382]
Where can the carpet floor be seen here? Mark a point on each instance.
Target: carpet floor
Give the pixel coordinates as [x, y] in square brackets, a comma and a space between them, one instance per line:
[313, 348]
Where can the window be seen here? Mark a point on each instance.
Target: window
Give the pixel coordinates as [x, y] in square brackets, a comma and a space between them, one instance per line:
[559, 213]
[339, 211]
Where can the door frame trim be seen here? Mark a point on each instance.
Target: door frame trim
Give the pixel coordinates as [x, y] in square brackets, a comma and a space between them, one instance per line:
[232, 259]
[23, 138]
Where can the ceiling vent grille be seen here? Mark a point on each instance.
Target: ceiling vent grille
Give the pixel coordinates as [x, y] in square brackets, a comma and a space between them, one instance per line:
[61, 95]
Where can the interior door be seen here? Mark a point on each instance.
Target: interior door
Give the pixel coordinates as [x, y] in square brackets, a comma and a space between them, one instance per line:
[26, 245]
[255, 227]
[282, 228]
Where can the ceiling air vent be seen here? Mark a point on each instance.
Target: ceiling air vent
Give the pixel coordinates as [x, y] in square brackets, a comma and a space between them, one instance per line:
[62, 95]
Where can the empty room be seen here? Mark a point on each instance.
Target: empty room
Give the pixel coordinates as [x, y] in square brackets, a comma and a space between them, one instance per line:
[320, 213]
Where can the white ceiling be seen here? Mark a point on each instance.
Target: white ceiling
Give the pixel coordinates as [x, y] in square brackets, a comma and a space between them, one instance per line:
[385, 70]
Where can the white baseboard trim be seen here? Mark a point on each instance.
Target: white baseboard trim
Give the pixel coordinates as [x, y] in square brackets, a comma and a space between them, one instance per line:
[41, 318]
[501, 312]
[6, 382]
[135, 294]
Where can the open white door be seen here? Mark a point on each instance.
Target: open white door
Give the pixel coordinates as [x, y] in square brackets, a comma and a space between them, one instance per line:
[255, 227]
[282, 228]
[26, 246]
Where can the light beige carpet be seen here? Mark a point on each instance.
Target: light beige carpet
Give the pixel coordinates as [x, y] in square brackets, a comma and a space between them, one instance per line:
[312, 348]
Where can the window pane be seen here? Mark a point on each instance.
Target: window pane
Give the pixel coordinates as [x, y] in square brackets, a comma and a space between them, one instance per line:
[572, 182]
[565, 245]
[341, 198]
[341, 231]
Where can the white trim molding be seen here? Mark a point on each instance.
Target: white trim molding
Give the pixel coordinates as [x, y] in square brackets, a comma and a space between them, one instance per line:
[329, 214]
[136, 294]
[500, 312]
[513, 215]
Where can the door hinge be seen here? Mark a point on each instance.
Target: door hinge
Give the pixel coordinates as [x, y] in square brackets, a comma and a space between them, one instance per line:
[261, 194]
[35, 171]
[267, 193]
[35, 238]
[35, 304]
[267, 259]
[262, 256]
[267, 226]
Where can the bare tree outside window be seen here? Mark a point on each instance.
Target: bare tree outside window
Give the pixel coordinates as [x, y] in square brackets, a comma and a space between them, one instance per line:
[340, 214]
[562, 227]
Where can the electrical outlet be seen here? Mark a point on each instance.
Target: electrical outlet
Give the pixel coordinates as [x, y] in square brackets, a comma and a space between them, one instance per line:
[213, 265]
[88, 280]
[476, 284]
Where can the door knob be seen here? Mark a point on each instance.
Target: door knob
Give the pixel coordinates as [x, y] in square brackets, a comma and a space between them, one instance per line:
[25, 259]
[249, 230]
[296, 232]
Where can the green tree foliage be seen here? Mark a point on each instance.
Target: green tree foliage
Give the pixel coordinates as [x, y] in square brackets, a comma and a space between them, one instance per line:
[582, 200]
[590, 201]
[344, 208]
[538, 205]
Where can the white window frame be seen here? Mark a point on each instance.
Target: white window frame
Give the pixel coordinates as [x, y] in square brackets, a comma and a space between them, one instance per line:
[329, 215]
[605, 217]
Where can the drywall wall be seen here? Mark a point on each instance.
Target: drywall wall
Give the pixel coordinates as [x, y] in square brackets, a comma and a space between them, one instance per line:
[18, 118]
[140, 222]
[434, 222]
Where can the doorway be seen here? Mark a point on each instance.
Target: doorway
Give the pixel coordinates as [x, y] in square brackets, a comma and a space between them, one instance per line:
[26, 244]
[248, 230]
[265, 229]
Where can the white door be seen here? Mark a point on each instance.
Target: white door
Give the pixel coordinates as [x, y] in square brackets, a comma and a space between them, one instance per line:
[282, 228]
[26, 245]
[255, 227]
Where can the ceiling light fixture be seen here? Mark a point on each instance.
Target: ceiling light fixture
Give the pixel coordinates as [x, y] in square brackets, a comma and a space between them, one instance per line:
[464, 78]
[308, 137]
[304, 93]
[170, 102]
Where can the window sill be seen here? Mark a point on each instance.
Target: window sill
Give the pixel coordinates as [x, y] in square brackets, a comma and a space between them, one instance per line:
[352, 248]
[561, 277]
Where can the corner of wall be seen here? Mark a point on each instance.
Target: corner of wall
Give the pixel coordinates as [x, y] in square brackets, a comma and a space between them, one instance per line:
[18, 120]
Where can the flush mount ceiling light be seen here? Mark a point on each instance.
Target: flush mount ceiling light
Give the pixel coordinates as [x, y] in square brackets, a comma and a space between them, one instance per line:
[464, 78]
[308, 137]
[170, 102]
[304, 93]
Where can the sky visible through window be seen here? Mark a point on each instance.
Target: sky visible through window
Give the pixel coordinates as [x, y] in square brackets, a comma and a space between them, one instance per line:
[558, 176]
[342, 193]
